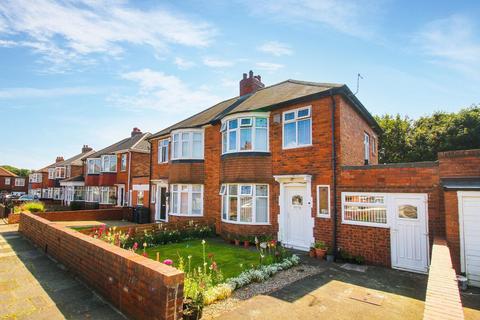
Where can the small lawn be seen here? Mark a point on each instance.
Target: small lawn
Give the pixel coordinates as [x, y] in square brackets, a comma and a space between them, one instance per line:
[231, 260]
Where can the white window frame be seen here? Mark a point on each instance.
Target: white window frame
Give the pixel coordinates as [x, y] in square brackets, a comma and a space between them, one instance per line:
[102, 190]
[366, 147]
[51, 173]
[254, 203]
[323, 215]
[366, 224]
[163, 144]
[109, 162]
[93, 160]
[295, 120]
[225, 130]
[17, 182]
[35, 177]
[123, 162]
[189, 156]
[374, 144]
[153, 193]
[189, 210]
[8, 181]
[59, 171]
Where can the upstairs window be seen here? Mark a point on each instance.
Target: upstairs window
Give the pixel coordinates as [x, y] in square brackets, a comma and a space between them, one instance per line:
[245, 134]
[69, 171]
[297, 128]
[163, 151]
[109, 163]
[94, 165]
[19, 182]
[188, 144]
[366, 144]
[123, 162]
[51, 173]
[59, 172]
[35, 178]
[7, 181]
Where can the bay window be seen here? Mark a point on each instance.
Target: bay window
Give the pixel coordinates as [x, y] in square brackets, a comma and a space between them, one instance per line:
[123, 162]
[57, 193]
[44, 193]
[186, 199]
[109, 163]
[163, 151]
[108, 195]
[245, 134]
[92, 194]
[59, 172]
[51, 173]
[245, 203]
[297, 128]
[94, 165]
[35, 177]
[187, 144]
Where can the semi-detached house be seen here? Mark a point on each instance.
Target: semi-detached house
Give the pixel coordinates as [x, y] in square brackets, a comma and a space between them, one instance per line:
[11, 183]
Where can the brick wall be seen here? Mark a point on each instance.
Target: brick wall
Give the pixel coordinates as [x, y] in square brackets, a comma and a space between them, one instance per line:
[76, 171]
[211, 199]
[187, 172]
[140, 164]
[139, 287]
[107, 179]
[460, 163]
[452, 228]
[246, 168]
[122, 176]
[81, 215]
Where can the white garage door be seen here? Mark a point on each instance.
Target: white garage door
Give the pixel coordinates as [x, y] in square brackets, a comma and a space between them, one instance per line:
[469, 215]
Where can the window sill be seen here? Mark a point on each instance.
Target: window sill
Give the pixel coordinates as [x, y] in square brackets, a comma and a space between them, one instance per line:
[298, 147]
[185, 215]
[246, 154]
[324, 216]
[187, 160]
[247, 223]
[367, 224]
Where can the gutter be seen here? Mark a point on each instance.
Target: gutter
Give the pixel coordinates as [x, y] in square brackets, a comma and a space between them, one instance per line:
[334, 178]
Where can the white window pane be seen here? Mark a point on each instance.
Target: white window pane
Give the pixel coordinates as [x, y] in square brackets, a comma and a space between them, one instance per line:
[232, 209]
[184, 203]
[261, 139]
[224, 207]
[289, 116]
[224, 142]
[113, 163]
[304, 130]
[262, 210]
[197, 149]
[246, 209]
[323, 200]
[303, 113]
[232, 140]
[246, 139]
[185, 148]
[175, 149]
[261, 122]
[261, 190]
[196, 203]
[196, 188]
[289, 134]
[246, 122]
[246, 190]
[232, 189]
[232, 124]
[174, 202]
[184, 188]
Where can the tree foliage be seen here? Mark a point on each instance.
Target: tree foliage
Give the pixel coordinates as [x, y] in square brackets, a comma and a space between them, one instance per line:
[406, 140]
[19, 172]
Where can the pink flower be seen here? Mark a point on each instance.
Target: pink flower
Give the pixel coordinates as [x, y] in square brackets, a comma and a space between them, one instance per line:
[145, 255]
[135, 246]
[214, 266]
[168, 262]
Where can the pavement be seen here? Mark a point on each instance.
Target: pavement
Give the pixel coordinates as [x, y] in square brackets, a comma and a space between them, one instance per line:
[33, 286]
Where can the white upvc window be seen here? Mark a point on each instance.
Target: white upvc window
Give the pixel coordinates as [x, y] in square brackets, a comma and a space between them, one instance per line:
[58, 194]
[44, 193]
[35, 177]
[245, 203]
[50, 193]
[187, 144]
[365, 209]
[92, 194]
[108, 195]
[245, 134]
[366, 145]
[323, 201]
[123, 162]
[186, 199]
[7, 181]
[163, 151]
[51, 173]
[153, 193]
[94, 165]
[69, 171]
[109, 163]
[19, 182]
[297, 128]
[59, 172]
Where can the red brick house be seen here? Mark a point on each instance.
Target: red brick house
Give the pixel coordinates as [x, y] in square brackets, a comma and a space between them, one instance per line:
[118, 174]
[298, 160]
[11, 183]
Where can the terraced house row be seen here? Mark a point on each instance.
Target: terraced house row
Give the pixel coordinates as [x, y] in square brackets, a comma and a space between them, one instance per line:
[298, 161]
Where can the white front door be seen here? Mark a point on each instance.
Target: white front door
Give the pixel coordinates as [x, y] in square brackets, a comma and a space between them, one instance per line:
[469, 215]
[298, 232]
[408, 233]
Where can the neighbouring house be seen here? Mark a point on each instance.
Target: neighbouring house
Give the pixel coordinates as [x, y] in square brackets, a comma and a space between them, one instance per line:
[62, 180]
[298, 160]
[118, 174]
[12, 183]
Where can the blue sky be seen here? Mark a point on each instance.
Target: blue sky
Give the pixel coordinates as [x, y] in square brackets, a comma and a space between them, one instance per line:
[87, 72]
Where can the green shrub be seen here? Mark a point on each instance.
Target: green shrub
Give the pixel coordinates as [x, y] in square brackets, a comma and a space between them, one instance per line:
[32, 207]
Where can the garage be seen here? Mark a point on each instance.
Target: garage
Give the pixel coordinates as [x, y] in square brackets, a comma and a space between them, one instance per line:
[469, 221]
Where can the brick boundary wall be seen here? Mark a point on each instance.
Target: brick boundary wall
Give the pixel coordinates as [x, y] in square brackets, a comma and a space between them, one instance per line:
[443, 297]
[81, 215]
[139, 287]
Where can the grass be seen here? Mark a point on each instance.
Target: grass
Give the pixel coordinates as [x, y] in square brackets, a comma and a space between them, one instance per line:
[228, 257]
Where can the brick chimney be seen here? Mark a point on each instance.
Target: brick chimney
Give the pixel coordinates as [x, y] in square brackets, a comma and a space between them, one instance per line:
[251, 84]
[136, 131]
[59, 159]
[86, 148]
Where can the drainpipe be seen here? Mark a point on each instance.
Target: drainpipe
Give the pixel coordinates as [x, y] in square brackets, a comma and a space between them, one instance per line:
[128, 178]
[149, 183]
[334, 179]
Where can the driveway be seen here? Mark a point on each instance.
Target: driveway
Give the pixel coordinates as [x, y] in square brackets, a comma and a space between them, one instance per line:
[32, 286]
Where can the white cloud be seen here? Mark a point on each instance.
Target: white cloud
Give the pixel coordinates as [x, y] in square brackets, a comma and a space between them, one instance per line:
[69, 31]
[347, 16]
[451, 42]
[268, 66]
[276, 48]
[21, 93]
[183, 64]
[217, 63]
[163, 92]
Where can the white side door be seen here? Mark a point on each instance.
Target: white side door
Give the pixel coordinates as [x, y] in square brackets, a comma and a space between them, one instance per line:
[409, 232]
[298, 229]
[469, 216]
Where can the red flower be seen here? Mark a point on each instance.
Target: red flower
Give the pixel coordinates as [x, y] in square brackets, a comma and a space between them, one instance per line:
[145, 255]
[210, 255]
[214, 266]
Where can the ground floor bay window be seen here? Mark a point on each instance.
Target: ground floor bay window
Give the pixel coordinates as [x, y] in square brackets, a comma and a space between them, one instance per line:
[108, 195]
[92, 194]
[245, 203]
[186, 199]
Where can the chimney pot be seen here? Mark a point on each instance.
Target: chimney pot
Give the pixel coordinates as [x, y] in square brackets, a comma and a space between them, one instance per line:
[59, 159]
[136, 131]
[251, 84]
[250, 74]
[86, 148]
[244, 76]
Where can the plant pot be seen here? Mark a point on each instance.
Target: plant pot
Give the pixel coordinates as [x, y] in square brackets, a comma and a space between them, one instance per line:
[246, 243]
[330, 258]
[312, 253]
[191, 311]
[237, 242]
[320, 253]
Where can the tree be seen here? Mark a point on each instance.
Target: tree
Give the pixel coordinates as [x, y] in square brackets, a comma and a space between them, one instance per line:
[17, 171]
[394, 145]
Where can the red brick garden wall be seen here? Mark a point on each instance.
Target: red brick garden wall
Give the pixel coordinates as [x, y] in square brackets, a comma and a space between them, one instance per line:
[81, 215]
[452, 228]
[139, 287]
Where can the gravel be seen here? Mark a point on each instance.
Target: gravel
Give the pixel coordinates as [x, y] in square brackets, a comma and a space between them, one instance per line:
[278, 281]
